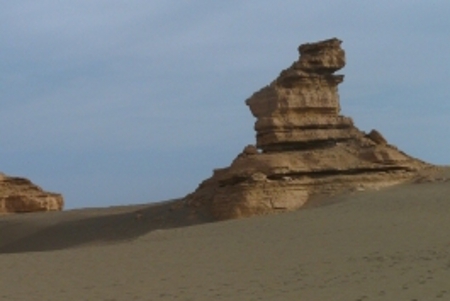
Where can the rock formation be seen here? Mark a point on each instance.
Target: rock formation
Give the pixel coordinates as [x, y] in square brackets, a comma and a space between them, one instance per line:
[300, 109]
[303, 146]
[21, 195]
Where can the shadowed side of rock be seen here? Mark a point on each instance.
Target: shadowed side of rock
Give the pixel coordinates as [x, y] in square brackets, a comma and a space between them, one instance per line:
[304, 147]
[18, 195]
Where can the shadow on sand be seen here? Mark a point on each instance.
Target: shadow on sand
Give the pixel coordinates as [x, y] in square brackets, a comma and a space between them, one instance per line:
[31, 235]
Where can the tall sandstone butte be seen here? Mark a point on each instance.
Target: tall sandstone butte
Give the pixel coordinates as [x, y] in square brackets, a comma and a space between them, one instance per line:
[19, 195]
[303, 146]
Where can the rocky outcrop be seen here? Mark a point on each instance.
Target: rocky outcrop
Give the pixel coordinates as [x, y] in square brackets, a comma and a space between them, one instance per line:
[304, 147]
[21, 195]
[300, 108]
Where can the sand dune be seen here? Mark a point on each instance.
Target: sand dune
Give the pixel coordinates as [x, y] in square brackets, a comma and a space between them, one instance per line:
[386, 245]
[49, 231]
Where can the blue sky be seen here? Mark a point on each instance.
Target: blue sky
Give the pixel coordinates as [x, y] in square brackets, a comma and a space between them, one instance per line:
[119, 102]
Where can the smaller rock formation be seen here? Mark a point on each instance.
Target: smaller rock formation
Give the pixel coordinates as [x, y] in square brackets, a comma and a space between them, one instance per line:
[21, 195]
[304, 147]
[376, 137]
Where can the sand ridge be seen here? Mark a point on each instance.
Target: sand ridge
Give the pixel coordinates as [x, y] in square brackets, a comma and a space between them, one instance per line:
[49, 231]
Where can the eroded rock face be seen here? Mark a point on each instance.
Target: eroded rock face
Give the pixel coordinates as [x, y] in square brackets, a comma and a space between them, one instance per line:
[300, 108]
[305, 147]
[21, 195]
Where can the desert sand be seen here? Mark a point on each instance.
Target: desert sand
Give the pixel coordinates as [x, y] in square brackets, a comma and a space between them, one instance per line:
[391, 244]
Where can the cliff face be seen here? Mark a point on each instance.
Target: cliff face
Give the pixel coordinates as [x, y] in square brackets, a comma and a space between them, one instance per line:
[21, 195]
[303, 146]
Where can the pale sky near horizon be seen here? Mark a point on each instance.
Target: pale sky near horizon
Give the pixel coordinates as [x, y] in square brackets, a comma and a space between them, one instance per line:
[119, 102]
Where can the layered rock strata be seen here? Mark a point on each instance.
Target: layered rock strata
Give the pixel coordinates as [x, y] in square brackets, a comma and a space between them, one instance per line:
[19, 195]
[303, 146]
[300, 108]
